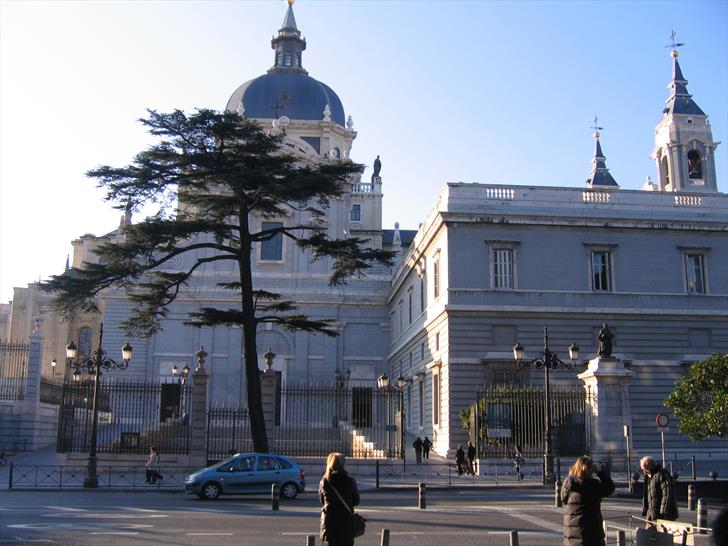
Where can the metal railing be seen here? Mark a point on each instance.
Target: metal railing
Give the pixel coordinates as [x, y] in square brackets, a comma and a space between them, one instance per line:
[314, 420]
[133, 416]
[13, 370]
[514, 416]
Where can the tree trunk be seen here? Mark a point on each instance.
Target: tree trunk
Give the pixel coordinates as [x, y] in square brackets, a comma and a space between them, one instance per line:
[250, 347]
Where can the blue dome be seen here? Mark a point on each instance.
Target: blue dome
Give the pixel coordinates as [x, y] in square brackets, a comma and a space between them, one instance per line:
[293, 94]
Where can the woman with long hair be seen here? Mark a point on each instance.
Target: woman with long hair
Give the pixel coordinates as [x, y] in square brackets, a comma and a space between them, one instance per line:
[335, 519]
[588, 482]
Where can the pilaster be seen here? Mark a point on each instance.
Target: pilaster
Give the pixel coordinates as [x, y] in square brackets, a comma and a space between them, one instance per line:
[198, 421]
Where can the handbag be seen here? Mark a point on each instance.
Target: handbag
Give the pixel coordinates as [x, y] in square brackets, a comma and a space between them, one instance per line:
[357, 522]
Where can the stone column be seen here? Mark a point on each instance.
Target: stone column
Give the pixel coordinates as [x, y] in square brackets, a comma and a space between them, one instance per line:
[606, 381]
[198, 420]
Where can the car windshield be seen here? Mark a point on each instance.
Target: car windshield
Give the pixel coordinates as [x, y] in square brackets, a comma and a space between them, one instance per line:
[228, 463]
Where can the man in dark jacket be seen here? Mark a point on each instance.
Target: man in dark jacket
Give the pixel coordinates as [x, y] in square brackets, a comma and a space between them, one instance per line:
[460, 460]
[658, 498]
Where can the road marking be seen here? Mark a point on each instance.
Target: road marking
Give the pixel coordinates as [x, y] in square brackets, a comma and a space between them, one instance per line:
[210, 534]
[531, 519]
[124, 533]
[42, 540]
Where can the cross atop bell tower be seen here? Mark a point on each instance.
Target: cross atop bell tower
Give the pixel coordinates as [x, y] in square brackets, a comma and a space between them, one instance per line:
[684, 147]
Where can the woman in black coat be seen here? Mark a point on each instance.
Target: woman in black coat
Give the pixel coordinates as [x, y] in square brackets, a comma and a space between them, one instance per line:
[582, 495]
[335, 521]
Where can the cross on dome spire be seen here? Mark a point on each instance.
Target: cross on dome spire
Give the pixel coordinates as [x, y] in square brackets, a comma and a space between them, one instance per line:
[599, 175]
[680, 101]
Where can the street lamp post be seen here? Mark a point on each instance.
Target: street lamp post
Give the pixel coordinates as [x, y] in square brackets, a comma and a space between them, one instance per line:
[384, 384]
[93, 364]
[54, 363]
[342, 379]
[548, 361]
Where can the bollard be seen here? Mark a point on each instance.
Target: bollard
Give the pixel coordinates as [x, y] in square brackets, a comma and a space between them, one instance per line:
[557, 494]
[514, 538]
[376, 466]
[274, 496]
[10, 477]
[691, 497]
[310, 540]
[422, 496]
[702, 515]
[621, 539]
[385, 537]
[692, 463]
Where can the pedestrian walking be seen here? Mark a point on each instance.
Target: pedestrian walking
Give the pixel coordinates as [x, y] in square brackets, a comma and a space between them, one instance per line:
[426, 445]
[518, 461]
[471, 458]
[582, 493]
[658, 497]
[417, 444]
[339, 494]
[152, 466]
[460, 460]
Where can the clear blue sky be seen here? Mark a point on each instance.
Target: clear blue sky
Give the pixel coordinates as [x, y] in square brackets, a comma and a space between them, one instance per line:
[491, 92]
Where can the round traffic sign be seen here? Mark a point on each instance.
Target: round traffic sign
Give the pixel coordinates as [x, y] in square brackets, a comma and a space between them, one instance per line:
[662, 420]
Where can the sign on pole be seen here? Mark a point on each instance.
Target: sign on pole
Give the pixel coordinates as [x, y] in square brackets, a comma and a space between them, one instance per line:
[662, 421]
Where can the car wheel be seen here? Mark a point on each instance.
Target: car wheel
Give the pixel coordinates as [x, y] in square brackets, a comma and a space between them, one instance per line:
[289, 490]
[210, 491]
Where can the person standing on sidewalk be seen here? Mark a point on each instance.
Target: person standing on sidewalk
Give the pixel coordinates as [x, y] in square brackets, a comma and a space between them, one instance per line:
[460, 460]
[426, 445]
[335, 489]
[152, 474]
[471, 458]
[417, 444]
[658, 498]
[582, 495]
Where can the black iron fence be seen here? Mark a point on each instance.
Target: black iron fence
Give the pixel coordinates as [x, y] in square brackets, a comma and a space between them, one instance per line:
[515, 416]
[312, 421]
[133, 415]
[13, 370]
[51, 392]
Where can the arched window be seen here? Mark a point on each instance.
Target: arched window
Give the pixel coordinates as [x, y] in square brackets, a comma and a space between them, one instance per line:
[84, 342]
[695, 166]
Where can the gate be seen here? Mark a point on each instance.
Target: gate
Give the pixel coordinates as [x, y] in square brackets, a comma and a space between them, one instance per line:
[132, 417]
[313, 421]
[514, 416]
[13, 369]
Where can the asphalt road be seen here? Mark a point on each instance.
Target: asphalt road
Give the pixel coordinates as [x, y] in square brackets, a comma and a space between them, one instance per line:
[472, 517]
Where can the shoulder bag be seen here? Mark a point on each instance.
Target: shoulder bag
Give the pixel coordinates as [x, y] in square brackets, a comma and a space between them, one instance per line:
[357, 523]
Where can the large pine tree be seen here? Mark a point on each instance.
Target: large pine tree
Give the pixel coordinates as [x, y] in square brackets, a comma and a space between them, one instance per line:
[210, 172]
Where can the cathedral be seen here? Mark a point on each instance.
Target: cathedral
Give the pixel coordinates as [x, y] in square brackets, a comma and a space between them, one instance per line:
[490, 267]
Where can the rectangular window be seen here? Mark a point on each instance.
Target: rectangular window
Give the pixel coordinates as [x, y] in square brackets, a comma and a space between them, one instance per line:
[421, 403]
[400, 306]
[422, 293]
[695, 273]
[503, 268]
[409, 306]
[601, 270]
[356, 213]
[437, 341]
[436, 277]
[272, 249]
[435, 398]
[422, 351]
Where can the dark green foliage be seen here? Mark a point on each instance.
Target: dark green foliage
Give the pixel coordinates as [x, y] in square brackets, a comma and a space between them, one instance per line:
[700, 399]
[209, 172]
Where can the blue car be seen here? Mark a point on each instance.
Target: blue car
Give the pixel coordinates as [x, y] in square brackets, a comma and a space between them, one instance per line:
[248, 473]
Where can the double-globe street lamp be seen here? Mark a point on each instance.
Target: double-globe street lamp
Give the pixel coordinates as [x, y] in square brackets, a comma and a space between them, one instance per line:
[400, 382]
[548, 361]
[93, 364]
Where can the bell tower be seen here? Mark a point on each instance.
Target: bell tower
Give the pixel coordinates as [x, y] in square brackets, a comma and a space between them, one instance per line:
[684, 147]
